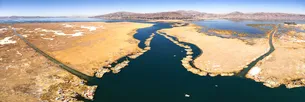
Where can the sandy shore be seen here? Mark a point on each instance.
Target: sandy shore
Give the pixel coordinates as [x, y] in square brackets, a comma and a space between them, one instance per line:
[29, 76]
[220, 55]
[286, 65]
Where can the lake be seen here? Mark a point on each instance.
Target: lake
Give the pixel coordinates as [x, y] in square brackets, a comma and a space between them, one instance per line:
[158, 76]
[238, 26]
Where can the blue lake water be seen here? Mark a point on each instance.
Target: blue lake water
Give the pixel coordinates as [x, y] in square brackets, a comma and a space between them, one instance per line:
[158, 76]
[229, 25]
[239, 26]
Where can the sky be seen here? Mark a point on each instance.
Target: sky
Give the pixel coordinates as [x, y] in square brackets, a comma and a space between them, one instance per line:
[98, 7]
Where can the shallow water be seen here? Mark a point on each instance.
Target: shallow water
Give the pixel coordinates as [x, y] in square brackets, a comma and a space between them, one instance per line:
[228, 25]
[239, 26]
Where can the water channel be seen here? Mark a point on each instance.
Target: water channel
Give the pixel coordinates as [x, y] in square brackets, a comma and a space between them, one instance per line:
[158, 76]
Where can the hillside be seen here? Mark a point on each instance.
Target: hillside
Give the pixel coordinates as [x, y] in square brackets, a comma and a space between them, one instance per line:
[195, 15]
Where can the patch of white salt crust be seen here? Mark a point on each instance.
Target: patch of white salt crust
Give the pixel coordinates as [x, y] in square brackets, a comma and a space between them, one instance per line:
[3, 30]
[299, 41]
[77, 34]
[17, 28]
[292, 39]
[254, 71]
[58, 32]
[7, 40]
[48, 38]
[25, 35]
[91, 28]
[67, 25]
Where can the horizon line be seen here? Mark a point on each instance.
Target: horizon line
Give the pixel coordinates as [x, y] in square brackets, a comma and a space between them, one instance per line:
[80, 15]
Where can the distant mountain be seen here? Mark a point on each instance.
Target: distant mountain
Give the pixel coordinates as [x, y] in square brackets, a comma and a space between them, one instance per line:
[195, 15]
[189, 12]
[264, 16]
[185, 15]
[159, 15]
[235, 13]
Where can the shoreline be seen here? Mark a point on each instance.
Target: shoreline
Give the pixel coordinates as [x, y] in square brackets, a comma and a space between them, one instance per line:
[196, 30]
[188, 60]
[267, 82]
[123, 63]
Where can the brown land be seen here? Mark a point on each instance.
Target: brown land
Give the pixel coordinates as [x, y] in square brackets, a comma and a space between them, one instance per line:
[93, 49]
[299, 26]
[220, 55]
[26, 75]
[29, 76]
[286, 65]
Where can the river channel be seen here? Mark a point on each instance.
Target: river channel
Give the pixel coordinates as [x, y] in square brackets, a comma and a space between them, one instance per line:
[158, 76]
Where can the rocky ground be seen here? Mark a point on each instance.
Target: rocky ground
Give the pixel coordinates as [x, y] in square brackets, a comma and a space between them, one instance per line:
[84, 46]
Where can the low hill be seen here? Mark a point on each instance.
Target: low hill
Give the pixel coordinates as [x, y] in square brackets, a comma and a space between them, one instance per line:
[195, 15]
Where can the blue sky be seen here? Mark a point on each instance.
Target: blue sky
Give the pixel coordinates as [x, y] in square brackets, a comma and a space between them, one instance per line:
[97, 7]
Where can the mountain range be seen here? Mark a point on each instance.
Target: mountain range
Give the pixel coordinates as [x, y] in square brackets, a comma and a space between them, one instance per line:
[195, 15]
[184, 15]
